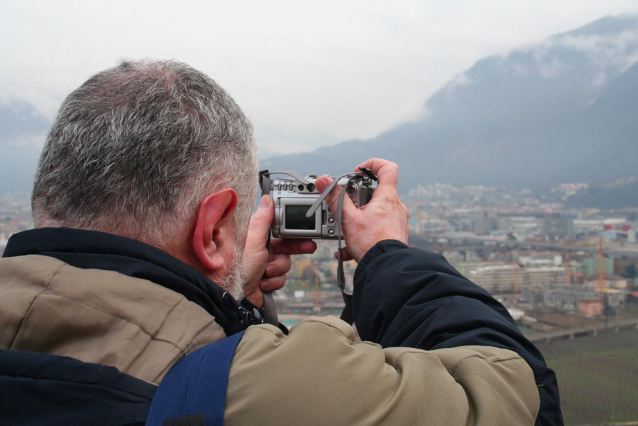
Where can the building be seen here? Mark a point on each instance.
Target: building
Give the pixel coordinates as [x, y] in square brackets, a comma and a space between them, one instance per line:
[544, 276]
[484, 222]
[558, 227]
[615, 298]
[592, 266]
[590, 308]
[495, 278]
[567, 298]
[502, 278]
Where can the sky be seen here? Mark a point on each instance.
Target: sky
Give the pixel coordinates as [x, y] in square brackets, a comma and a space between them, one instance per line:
[307, 73]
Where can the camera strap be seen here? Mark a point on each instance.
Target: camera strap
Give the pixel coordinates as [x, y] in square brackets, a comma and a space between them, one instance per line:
[347, 314]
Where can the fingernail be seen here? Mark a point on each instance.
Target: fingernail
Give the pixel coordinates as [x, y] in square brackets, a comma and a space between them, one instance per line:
[265, 202]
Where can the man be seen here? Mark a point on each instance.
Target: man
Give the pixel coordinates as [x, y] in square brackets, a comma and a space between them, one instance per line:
[142, 253]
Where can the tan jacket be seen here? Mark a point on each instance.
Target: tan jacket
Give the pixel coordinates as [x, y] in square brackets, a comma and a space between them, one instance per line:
[316, 375]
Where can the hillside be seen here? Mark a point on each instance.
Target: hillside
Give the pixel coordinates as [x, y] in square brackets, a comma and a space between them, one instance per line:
[597, 376]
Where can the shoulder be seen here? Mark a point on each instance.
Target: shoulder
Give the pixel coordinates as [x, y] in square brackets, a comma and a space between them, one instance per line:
[320, 374]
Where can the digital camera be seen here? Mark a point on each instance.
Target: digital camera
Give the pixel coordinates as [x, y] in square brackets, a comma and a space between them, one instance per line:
[293, 198]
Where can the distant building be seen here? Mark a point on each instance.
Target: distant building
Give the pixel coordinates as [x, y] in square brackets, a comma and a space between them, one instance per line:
[592, 266]
[545, 276]
[483, 223]
[502, 278]
[558, 227]
[590, 308]
[616, 298]
[519, 225]
[495, 278]
[565, 297]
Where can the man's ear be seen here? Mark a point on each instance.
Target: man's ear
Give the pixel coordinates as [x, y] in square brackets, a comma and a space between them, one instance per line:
[213, 230]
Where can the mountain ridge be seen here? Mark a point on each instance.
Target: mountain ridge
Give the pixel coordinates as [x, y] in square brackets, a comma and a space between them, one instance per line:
[535, 117]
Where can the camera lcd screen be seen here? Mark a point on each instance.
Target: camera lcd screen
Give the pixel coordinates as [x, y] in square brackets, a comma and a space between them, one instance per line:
[296, 218]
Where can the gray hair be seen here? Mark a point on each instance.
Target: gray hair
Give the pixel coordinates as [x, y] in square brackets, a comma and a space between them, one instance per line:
[136, 148]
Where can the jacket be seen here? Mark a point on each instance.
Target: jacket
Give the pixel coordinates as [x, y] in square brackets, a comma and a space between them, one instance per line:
[437, 349]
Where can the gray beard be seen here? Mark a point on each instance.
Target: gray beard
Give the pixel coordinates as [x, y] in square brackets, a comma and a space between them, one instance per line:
[233, 283]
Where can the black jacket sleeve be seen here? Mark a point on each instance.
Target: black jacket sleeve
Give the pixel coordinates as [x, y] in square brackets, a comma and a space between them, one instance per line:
[414, 298]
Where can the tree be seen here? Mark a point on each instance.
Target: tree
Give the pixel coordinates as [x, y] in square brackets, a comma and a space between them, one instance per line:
[631, 271]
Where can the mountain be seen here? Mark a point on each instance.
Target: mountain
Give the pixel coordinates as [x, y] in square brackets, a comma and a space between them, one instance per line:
[562, 110]
[22, 133]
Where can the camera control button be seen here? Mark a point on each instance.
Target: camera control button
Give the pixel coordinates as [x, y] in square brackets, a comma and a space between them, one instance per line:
[331, 220]
[331, 231]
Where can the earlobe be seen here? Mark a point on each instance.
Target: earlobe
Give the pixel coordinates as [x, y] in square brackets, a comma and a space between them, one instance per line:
[210, 232]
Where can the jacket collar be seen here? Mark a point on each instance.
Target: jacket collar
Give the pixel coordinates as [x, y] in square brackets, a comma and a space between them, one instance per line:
[91, 249]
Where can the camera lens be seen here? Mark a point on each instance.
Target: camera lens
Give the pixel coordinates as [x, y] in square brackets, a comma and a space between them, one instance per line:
[351, 190]
[311, 187]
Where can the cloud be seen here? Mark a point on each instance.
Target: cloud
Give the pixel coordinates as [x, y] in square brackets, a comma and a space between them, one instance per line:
[27, 140]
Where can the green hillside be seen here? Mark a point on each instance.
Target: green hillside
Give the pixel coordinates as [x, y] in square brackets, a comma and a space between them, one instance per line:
[597, 377]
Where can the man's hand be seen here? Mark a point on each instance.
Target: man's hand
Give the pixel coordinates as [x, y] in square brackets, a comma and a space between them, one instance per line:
[385, 217]
[263, 269]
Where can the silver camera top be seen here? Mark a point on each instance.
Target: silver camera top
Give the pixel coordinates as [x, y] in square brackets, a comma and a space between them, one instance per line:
[294, 196]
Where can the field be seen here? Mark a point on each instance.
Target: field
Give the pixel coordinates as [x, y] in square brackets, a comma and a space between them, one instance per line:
[597, 376]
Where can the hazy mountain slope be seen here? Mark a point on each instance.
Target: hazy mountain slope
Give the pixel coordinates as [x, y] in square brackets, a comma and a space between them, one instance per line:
[536, 117]
[612, 121]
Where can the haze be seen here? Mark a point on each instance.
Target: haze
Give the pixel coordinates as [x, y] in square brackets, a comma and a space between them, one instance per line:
[307, 73]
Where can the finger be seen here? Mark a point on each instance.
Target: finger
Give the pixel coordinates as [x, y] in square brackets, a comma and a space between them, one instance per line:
[272, 284]
[262, 219]
[260, 223]
[280, 265]
[346, 254]
[292, 246]
[333, 198]
[387, 173]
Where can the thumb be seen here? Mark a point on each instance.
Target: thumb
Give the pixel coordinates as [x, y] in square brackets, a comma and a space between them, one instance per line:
[261, 221]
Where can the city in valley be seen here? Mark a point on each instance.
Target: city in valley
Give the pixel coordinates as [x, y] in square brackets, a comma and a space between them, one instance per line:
[561, 271]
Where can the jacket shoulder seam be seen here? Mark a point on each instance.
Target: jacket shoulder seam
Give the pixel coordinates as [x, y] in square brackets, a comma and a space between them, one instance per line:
[495, 361]
[374, 345]
[28, 311]
[327, 325]
[118, 317]
[418, 352]
[257, 327]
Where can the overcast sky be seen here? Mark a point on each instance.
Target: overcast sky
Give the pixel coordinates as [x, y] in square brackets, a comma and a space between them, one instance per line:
[308, 73]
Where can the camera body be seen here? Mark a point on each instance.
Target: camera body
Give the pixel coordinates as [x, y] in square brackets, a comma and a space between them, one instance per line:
[293, 199]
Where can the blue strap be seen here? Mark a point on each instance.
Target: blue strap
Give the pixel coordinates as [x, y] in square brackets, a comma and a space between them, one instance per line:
[196, 385]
